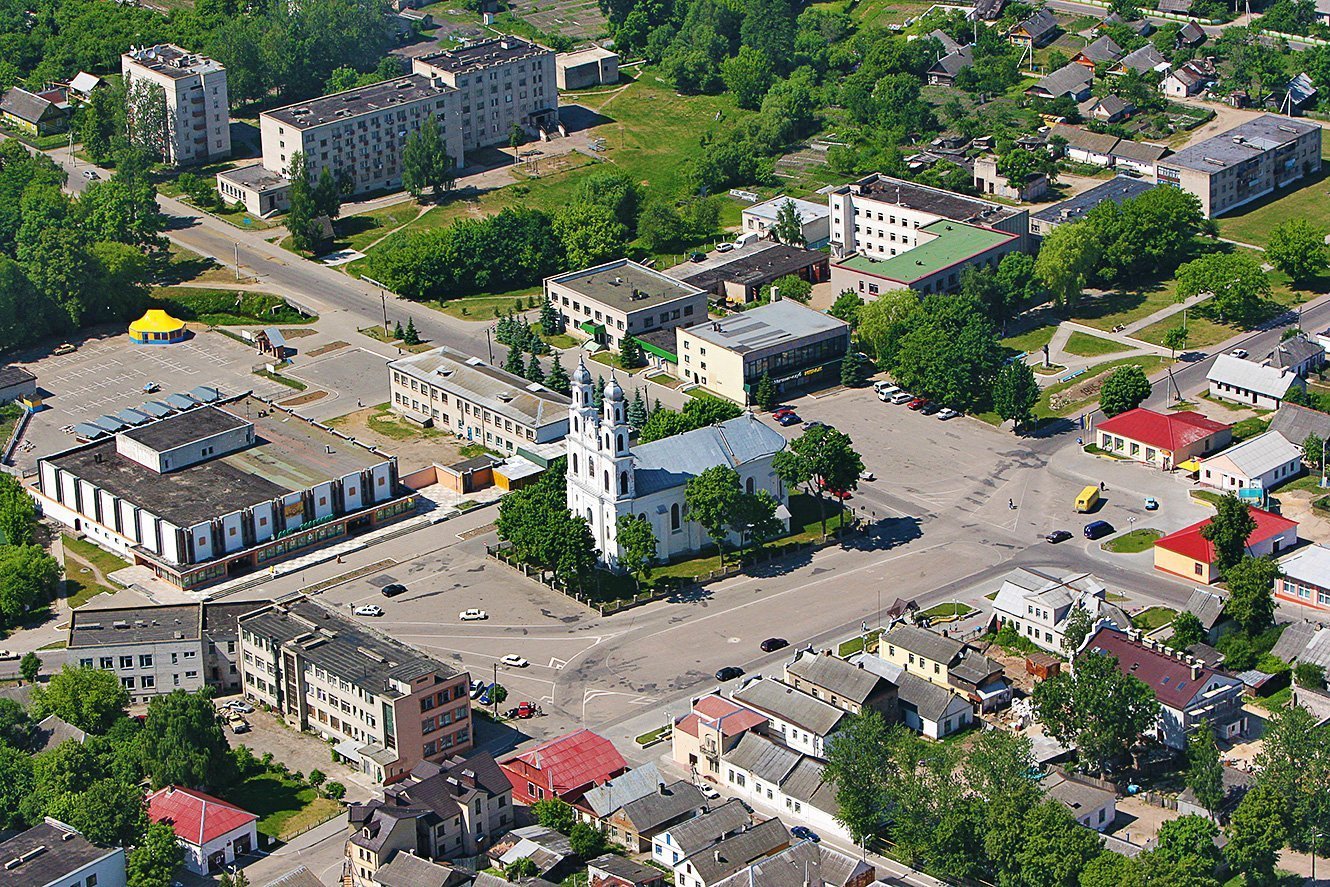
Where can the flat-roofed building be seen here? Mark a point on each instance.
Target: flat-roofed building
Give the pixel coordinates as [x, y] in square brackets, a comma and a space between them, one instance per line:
[205, 494]
[814, 219]
[447, 389]
[385, 705]
[197, 106]
[792, 343]
[259, 189]
[1245, 163]
[501, 82]
[593, 66]
[52, 854]
[934, 233]
[620, 298]
[1119, 189]
[740, 274]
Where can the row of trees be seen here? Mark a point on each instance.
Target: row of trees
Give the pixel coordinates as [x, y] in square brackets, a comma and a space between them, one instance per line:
[29, 576]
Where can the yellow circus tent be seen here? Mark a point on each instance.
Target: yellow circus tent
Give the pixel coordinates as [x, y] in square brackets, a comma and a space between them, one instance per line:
[156, 327]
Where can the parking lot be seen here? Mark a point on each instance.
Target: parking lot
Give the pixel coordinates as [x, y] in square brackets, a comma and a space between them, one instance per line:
[106, 375]
[353, 378]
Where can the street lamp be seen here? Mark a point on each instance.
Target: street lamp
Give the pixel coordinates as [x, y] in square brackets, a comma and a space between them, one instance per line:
[1315, 836]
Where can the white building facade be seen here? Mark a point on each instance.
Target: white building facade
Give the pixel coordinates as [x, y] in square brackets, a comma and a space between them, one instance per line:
[197, 106]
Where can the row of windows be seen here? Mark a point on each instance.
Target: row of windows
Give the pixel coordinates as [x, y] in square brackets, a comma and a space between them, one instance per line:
[126, 663]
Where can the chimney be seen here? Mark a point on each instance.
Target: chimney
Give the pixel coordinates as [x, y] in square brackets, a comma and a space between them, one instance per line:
[775, 293]
[715, 854]
[660, 787]
[1195, 671]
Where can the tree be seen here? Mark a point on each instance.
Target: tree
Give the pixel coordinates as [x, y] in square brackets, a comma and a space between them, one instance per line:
[852, 367]
[303, 209]
[637, 410]
[337, 790]
[1309, 675]
[148, 122]
[1066, 258]
[1295, 765]
[748, 76]
[637, 545]
[789, 225]
[884, 320]
[558, 379]
[153, 863]
[15, 725]
[1185, 850]
[1175, 338]
[30, 666]
[554, 813]
[1079, 623]
[858, 763]
[1112, 870]
[1228, 531]
[1205, 775]
[514, 363]
[765, 393]
[1125, 390]
[949, 352]
[16, 785]
[1297, 247]
[28, 576]
[586, 841]
[88, 698]
[590, 234]
[18, 514]
[409, 335]
[1019, 165]
[631, 354]
[1187, 631]
[1251, 600]
[1256, 834]
[183, 742]
[520, 869]
[533, 369]
[1015, 392]
[1235, 281]
[846, 308]
[711, 497]
[233, 879]
[426, 163]
[327, 195]
[1057, 847]
[109, 812]
[549, 319]
[821, 458]
[1096, 708]
[1313, 449]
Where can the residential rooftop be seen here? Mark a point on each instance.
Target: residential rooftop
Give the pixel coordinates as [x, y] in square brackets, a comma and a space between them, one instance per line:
[256, 176]
[353, 103]
[769, 210]
[953, 243]
[483, 54]
[47, 853]
[625, 285]
[1242, 142]
[173, 61]
[493, 387]
[342, 647]
[912, 195]
[289, 453]
[772, 326]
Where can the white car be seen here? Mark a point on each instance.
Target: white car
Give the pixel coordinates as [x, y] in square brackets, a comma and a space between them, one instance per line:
[240, 705]
[90, 174]
[886, 392]
[947, 413]
[1239, 352]
[6, 655]
[709, 792]
[369, 610]
[902, 397]
[473, 615]
[512, 660]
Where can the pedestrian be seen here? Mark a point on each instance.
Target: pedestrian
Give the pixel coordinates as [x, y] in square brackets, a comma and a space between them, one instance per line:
[1011, 503]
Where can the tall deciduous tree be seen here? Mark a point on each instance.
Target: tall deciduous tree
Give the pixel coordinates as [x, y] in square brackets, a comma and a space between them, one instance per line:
[590, 234]
[1125, 390]
[949, 351]
[1297, 247]
[1187, 630]
[426, 163]
[1015, 392]
[884, 320]
[789, 226]
[821, 458]
[1228, 531]
[1175, 338]
[1256, 834]
[637, 545]
[711, 498]
[18, 514]
[1096, 708]
[1065, 260]
[28, 577]
[30, 666]
[300, 216]
[154, 862]
[859, 761]
[1251, 601]
[1237, 285]
[1205, 775]
[183, 742]
[88, 698]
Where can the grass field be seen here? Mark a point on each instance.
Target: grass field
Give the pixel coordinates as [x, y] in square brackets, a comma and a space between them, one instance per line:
[1152, 618]
[218, 307]
[1030, 340]
[1202, 332]
[1252, 223]
[284, 806]
[1132, 543]
[1086, 345]
[359, 231]
[81, 587]
[1148, 363]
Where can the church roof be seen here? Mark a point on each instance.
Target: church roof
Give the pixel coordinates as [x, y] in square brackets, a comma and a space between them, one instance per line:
[672, 461]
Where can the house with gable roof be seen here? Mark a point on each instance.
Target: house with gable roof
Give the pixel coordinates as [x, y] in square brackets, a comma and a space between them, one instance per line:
[1189, 554]
[211, 831]
[1164, 440]
[712, 727]
[1038, 605]
[565, 767]
[684, 839]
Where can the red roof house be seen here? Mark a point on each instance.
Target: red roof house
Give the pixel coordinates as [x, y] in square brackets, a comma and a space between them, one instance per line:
[563, 768]
[713, 727]
[1188, 554]
[1161, 439]
[212, 831]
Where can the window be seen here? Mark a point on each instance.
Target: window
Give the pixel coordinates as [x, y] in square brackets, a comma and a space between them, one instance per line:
[675, 523]
[145, 660]
[126, 661]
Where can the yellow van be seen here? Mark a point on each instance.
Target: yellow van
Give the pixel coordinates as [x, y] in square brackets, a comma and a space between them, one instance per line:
[1087, 500]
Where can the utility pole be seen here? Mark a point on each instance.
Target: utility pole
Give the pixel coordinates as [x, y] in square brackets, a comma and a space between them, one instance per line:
[494, 692]
[489, 345]
[383, 300]
[237, 260]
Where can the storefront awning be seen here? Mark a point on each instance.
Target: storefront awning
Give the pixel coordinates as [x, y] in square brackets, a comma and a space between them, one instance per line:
[1189, 466]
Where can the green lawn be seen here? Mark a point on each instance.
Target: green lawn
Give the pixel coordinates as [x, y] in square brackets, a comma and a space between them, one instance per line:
[951, 609]
[282, 380]
[1086, 345]
[284, 806]
[9, 416]
[100, 558]
[221, 307]
[1202, 332]
[1252, 223]
[1250, 427]
[1134, 542]
[856, 643]
[1115, 308]
[1209, 497]
[1030, 340]
[1154, 617]
[1044, 410]
[359, 231]
[384, 421]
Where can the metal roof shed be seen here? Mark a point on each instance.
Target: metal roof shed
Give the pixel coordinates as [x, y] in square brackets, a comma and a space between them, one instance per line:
[156, 409]
[204, 394]
[181, 401]
[132, 416]
[110, 423]
[89, 432]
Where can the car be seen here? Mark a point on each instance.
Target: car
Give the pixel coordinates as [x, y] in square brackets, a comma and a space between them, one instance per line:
[843, 495]
[771, 645]
[485, 693]
[1239, 352]
[240, 705]
[7, 655]
[240, 726]
[814, 423]
[512, 660]
[709, 792]
[929, 409]
[724, 247]
[918, 403]
[1151, 503]
[884, 394]
[804, 833]
[368, 610]
[393, 589]
[868, 476]
[65, 348]
[525, 710]
[476, 688]
[902, 397]
[729, 673]
[781, 411]
[697, 257]
[1057, 536]
[788, 419]
[1097, 529]
[473, 615]
[91, 174]
[947, 413]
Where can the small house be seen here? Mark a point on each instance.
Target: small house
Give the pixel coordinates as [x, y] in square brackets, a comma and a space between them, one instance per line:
[38, 114]
[1249, 383]
[212, 832]
[1262, 462]
[1036, 30]
[1188, 554]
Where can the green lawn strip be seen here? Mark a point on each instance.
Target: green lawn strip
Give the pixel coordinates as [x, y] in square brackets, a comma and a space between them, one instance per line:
[1249, 428]
[1134, 542]
[391, 425]
[282, 380]
[1086, 345]
[1310, 483]
[1226, 404]
[357, 232]
[1209, 497]
[100, 558]
[226, 307]
[1308, 199]
[1154, 617]
[948, 610]
[856, 643]
[284, 806]
[652, 736]
[1203, 332]
[485, 307]
[1030, 340]
[55, 645]
[9, 416]
[1123, 307]
[1148, 363]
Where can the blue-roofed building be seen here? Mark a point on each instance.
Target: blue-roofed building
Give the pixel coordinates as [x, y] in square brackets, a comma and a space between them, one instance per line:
[608, 477]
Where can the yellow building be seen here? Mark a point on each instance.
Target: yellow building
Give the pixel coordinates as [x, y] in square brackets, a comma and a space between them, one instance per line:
[156, 327]
[921, 652]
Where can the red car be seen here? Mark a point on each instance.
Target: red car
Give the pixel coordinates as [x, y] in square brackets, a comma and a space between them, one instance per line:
[918, 403]
[781, 411]
[842, 495]
[526, 710]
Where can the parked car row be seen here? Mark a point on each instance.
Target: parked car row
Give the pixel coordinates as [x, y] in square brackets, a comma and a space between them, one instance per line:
[889, 393]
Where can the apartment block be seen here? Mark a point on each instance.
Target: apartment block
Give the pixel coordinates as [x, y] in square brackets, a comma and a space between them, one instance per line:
[386, 706]
[623, 297]
[197, 107]
[501, 82]
[1245, 163]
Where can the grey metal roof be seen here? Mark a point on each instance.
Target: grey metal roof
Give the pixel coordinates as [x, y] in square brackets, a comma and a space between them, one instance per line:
[1304, 642]
[352, 103]
[941, 36]
[132, 417]
[790, 705]
[180, 401]
[807, 783]
[734, 853]
[1103, 49]
[1141, 152]
[637, 783]
[1294, 352]
[54, 730]
[102, 627]
[408, 870]
[88, 431]
[1248, 374]
[1147, 58]
[1040, 23]
[1262, 453]
[297, 877]
[702, 831]
[26, 106]
[835, 674]
[110, 423]
[777, 325]
[1084, 139]
[1071, 79]
[493, 387]
[922, 642]
[619, 867]
[1295, 422]
[156, 408]
[765, 759]
[928, 699]
[1207, 606]
[1077, 796]
[626, 285]
[800, 865]
[1310, 565]
[206, 393]
[954, 62]
[650, 812]
[1242, 142]
[63, 852]
[672, 461]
